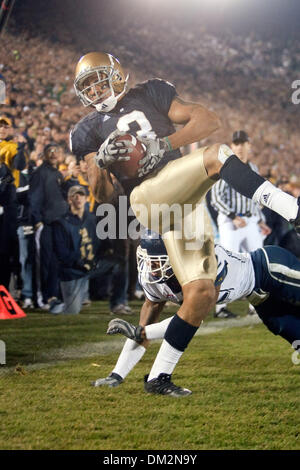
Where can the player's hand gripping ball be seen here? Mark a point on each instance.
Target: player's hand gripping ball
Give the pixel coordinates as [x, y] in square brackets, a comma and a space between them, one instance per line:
[136, 151]
[122, 153]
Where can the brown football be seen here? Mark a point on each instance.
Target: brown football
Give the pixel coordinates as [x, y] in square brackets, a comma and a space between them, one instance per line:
[129, 168]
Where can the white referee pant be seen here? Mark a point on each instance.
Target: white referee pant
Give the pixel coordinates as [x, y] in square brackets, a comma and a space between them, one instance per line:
[248, 238]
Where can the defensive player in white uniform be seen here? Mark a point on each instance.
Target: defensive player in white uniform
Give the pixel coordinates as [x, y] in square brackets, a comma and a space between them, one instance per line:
[268, 277]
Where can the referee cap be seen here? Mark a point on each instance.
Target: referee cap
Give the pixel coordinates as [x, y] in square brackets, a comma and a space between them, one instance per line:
[239, 137]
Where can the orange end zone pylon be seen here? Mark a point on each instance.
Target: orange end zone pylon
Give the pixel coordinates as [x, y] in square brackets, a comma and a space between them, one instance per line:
[9, 309]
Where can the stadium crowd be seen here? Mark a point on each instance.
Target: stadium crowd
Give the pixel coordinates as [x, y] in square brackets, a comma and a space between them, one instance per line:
[226, 72]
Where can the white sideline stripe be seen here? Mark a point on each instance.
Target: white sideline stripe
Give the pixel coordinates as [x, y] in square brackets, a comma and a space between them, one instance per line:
[215, 326]
[60, 356]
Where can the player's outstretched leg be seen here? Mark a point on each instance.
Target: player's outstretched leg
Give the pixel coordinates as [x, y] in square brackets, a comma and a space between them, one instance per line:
[247, 182]
[123, 327]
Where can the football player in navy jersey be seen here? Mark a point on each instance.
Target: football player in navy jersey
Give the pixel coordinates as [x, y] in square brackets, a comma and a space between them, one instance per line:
[269, 277]
[149, 111]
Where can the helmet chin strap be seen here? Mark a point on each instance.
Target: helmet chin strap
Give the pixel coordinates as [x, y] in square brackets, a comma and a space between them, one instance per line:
[110, 102]
[107, 105]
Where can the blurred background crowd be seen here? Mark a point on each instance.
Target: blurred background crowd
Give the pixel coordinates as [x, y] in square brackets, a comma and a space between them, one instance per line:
[242, 72]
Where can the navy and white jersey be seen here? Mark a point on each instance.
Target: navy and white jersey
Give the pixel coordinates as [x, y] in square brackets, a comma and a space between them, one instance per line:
[277, 271]
[270, 274]
[143, 111]
[235, 275]
[162, 292]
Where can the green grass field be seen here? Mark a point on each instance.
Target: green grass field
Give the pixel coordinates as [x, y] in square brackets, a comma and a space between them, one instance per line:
[245, 389]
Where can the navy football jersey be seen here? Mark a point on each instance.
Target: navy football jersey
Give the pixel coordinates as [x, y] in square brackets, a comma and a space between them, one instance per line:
[143, 111]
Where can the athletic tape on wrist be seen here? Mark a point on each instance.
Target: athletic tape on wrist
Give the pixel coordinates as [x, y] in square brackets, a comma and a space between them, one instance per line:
[169, 143]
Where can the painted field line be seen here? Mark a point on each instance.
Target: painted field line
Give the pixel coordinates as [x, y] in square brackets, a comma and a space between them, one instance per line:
[219, 325]
[54, 357]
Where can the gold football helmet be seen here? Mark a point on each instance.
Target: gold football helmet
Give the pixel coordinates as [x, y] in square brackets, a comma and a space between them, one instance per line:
[100, 81]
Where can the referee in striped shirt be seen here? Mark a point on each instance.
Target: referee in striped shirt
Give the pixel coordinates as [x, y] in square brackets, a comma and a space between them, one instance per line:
[240, 220]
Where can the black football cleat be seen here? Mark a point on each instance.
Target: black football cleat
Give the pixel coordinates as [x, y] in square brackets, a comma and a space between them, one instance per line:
[162, 385]
[296, 222]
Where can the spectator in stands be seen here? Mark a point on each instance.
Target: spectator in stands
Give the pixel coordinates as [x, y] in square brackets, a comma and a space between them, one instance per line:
[115, 286]
[83, 179]
[78, 176]
[12, 153]
[71, 179]
[8, 224]
[46, 206]
[76, 246]
[26, 238]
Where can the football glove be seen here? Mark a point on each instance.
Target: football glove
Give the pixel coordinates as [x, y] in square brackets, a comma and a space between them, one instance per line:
[123, 327]
[155, 150]
[113, 380]
[112, 151]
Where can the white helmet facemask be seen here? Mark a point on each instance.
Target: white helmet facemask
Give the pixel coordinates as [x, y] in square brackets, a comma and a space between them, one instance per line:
[153, 269]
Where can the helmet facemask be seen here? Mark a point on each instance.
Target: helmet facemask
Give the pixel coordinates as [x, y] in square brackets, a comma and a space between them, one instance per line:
[153, 268]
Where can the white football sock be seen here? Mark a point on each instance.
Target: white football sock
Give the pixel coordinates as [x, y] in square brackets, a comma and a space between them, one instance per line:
[279, 201]
[157, 330]
[166, 360]
[131, 354]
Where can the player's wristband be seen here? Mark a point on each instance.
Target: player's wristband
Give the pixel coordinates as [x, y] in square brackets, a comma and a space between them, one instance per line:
[166, 139]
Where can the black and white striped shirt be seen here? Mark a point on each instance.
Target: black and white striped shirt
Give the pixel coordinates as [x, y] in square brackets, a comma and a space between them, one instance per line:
[228, 201]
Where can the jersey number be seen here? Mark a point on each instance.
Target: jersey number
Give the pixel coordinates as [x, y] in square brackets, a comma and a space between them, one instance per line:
[139, 117]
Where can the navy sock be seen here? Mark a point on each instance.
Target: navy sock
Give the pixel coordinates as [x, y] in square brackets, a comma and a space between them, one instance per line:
[240, 176]
[179, 333]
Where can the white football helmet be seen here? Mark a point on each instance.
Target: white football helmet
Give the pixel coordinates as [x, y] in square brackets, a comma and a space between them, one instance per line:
[100, 81]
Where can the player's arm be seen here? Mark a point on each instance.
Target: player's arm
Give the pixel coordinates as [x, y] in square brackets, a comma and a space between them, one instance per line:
[198, 122]
[99, 180]
[82, 145]
[149, 314]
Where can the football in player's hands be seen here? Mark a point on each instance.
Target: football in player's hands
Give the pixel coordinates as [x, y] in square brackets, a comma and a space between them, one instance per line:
[130, 167]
